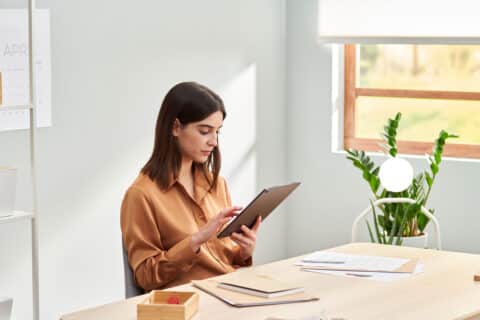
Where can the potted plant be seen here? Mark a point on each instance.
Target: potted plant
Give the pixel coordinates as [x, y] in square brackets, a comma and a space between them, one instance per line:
[399, 221]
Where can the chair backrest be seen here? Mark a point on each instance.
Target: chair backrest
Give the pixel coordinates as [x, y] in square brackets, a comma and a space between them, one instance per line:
[131, 288]
[397, 200]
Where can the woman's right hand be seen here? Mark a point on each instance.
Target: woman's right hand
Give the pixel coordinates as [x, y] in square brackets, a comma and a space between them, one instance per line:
[213, 226]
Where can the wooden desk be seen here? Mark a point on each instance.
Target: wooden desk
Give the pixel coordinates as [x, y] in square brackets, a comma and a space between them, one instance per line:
[445, 290]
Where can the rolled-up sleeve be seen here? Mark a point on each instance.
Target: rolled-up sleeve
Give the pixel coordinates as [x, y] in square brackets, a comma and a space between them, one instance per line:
[153, 265]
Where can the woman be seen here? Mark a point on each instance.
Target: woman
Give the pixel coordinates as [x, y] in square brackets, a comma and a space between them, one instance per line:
[172, 212]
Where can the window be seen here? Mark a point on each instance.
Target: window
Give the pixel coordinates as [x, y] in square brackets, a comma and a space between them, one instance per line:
[434, 87]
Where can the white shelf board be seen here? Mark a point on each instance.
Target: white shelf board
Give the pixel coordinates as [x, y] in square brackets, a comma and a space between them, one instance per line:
[16, 215]
[13, 108]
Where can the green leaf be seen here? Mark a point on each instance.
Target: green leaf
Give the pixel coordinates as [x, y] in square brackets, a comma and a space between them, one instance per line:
[363, 162]
[389, 135]
[351, 157]
[370, 165]
[412, 211]
[357, 164]
[374, 183]
[366, 175]
[403, 224]
[422, 221]
[380, 238]
[381, 221]
[372, 239]
[394, 228]
[443, 135]
[434, 168]
[438, 157]
[429, 179]
[352, 152]
[393, 232]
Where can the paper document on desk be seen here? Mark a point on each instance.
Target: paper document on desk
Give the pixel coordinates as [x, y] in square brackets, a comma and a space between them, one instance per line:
[369, 267]
[379, 276]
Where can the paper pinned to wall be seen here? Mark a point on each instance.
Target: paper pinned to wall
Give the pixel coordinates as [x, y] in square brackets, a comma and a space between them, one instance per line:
[15, 70]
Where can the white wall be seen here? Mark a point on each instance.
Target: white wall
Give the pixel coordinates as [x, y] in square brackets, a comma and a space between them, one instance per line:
[110, 72]
[333, 192]
[112, 63]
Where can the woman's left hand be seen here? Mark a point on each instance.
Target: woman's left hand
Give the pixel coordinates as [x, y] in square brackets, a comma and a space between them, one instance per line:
[247, 239]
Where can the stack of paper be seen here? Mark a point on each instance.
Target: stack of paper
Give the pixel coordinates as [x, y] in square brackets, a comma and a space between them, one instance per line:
[370, 267]
[245, 289]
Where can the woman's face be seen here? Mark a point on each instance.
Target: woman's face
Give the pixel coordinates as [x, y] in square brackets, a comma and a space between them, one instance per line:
[198, 139]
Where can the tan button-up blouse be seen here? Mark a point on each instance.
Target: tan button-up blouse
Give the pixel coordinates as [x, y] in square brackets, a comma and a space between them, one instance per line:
[157, 226]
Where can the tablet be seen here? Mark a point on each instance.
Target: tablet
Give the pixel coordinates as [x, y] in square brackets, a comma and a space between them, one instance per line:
[263, 204]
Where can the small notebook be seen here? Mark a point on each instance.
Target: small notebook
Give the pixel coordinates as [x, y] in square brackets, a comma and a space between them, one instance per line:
[259, 285]
[256, 291]
[237, 299]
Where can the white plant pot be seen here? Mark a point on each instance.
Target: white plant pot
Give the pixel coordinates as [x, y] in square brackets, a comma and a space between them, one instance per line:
[8, 184]
[416, 242]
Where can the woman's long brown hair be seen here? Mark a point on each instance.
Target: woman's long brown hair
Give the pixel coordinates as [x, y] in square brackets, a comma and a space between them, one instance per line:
[188, 102]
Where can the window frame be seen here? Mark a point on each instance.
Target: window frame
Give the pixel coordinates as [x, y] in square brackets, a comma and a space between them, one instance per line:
[351, 92]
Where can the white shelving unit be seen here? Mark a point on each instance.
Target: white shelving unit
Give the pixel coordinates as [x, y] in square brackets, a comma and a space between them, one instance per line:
[16, 215]
[33, 126]
[13, 108]
[20, 215]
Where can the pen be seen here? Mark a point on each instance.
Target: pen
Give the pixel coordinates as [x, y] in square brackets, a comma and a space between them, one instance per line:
[359, 275]
[323, 261]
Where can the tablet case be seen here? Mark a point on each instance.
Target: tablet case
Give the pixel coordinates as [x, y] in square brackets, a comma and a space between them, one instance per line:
[263, 204]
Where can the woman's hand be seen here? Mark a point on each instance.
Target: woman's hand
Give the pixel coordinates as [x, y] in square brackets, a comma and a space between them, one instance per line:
[211, 229]
[247, 239]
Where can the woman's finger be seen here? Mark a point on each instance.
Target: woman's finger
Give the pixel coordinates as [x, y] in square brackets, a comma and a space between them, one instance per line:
[238, 239]
[230, 212]
[224, 220]
[248, 233]
[221, 217]
[242, 239]
[240, 243]
[257, 224]
[232, 209]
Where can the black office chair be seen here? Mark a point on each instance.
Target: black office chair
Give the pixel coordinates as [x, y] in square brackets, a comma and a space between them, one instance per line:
[131, 288]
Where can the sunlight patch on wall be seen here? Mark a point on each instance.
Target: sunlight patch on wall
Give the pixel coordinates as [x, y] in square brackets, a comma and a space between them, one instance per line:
[237, 140]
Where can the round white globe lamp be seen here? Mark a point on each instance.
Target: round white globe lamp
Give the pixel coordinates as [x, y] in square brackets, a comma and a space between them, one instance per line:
[396, 174]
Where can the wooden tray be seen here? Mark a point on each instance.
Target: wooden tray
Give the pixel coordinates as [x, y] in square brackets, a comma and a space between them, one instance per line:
[156, 306]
